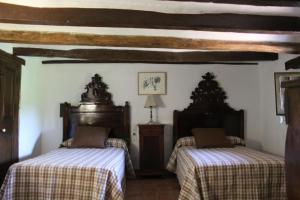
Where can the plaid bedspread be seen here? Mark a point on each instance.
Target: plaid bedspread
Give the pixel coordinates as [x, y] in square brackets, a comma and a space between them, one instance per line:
[227, 173]
[69, 174]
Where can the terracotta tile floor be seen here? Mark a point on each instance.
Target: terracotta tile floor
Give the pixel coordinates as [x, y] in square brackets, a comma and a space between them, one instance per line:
[152, 189]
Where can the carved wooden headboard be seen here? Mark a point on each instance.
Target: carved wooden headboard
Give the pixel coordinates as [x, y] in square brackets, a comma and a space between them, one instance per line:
[208, 110]
[96, 109]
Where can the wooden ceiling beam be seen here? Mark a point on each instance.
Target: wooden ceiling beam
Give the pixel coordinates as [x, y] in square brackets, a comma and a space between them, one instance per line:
[293, 63]
[99, 17]
[116, 56]
[289, 3]
[31, 37]
[100, 61]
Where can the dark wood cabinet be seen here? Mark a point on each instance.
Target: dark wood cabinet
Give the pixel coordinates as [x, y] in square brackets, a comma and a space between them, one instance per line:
[292, 147]
[151, 148]
[10, 82]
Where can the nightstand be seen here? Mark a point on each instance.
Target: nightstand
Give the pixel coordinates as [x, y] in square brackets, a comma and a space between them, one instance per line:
[151, 149]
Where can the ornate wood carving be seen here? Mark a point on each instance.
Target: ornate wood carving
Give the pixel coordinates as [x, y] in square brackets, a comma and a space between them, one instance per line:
[208, 95]
[96, 109]
[208, 90]
[208, 110]
[96, 92]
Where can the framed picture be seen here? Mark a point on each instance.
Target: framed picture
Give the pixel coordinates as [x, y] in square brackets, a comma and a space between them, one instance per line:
[279, 77]
[152, 83]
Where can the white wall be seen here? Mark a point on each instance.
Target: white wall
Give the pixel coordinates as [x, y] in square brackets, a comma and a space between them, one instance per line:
[62, 83]
[30, 125]
[30, 110]
[45, 86]
[272, 128]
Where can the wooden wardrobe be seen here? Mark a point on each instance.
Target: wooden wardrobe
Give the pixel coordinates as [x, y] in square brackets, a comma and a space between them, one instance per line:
[10, 82]
[292, 147]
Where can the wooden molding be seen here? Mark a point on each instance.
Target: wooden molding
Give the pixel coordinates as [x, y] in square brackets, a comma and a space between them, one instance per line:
[289, 3]
[100, 17]
[100, 61]
[293, 63]
[115, 56]
[30, 37]
[6, 57]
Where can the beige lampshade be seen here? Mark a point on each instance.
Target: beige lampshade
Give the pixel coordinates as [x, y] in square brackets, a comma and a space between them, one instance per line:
[150, 101]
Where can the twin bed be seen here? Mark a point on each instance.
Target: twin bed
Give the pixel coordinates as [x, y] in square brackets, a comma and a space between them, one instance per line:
[221, 173]
[203, 173]
[79, 173]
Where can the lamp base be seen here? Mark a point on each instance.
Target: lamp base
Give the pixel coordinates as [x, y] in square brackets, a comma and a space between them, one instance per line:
[152, 122]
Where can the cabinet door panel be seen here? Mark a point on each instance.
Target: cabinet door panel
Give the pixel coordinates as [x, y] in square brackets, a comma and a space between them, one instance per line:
[150, 152]
[292, 148]
[9, 106]
[151, 148]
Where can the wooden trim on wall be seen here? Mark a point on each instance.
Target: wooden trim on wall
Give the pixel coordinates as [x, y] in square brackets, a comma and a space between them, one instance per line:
[6, 57]
[162, 62]
[31, 37]
[100, 17]
[289, 3]
[115, 56]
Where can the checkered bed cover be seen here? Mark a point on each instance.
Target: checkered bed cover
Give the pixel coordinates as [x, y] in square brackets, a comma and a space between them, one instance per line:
[70, 174]
[227, 173]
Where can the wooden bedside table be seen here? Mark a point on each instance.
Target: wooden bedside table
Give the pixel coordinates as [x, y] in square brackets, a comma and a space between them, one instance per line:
[151, 149]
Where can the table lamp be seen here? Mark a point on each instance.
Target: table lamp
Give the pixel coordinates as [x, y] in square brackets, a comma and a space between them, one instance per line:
[150, 103]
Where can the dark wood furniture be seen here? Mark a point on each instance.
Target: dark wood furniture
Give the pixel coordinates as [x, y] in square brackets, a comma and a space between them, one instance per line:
[208, 110]
[96, 109]
[292, 147]
[151, 149]
[10, 82]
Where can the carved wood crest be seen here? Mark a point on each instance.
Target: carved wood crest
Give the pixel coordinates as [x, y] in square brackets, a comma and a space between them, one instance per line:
[208, 95]
[96, 92]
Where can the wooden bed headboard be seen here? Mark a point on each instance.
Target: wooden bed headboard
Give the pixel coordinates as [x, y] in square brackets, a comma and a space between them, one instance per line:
[96, 109]
[208, 110]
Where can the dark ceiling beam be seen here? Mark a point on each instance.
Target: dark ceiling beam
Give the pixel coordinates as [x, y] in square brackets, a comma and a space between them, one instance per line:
[116, 56]
[120, 18]
[293, 63]
[288, 3]
[30, 37]
[100, 61]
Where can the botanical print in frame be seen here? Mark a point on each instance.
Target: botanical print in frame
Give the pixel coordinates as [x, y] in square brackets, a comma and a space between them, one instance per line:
[152, 83]
[279, 77]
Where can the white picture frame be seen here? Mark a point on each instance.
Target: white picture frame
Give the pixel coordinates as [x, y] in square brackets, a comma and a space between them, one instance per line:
[152, 83]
